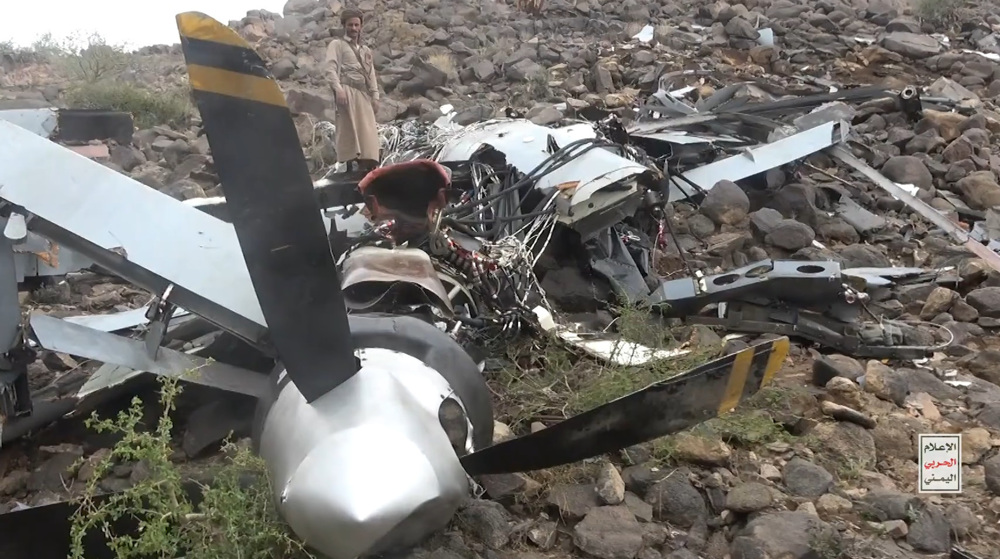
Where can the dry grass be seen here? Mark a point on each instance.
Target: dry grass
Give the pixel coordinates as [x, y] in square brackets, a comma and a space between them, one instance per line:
[547, 382]
[445, 62]
[526, 95]
[663, 30]
[937, 12]
[489, 47]
[402, 33]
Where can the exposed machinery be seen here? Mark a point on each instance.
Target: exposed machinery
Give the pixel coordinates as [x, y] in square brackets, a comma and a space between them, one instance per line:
[361, 383]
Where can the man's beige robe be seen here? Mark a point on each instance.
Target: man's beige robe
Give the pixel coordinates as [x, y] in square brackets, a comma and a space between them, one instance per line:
[357, 133]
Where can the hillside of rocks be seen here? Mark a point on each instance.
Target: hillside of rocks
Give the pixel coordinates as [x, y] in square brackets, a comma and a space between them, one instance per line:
[787, 476]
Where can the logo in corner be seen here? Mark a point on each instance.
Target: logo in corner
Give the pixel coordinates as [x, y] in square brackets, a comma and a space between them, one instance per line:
[940, 463]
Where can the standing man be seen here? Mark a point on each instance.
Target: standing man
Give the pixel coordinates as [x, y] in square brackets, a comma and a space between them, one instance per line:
[352, 74]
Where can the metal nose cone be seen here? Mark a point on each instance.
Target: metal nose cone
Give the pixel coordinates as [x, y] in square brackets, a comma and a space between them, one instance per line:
[369, 488]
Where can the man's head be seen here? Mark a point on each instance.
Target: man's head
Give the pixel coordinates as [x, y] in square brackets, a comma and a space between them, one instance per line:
[352, 20]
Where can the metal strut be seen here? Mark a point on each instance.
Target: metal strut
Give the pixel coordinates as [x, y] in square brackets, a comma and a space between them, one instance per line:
[160, 311]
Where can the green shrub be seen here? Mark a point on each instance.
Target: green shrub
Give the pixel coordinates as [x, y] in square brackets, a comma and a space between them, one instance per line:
[149, 108]
[11, 54]
[235, 520]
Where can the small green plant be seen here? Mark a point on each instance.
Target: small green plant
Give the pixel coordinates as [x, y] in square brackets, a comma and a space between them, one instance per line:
[746, 427]
[664, 450]
[826, 544]
[235, 518]
[849, 469]
[148, 108]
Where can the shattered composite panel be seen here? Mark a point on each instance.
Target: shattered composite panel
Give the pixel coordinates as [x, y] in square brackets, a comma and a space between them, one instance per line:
[351, 393]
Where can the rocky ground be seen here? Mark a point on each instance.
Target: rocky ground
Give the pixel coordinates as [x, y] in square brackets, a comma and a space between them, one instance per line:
[779, 478]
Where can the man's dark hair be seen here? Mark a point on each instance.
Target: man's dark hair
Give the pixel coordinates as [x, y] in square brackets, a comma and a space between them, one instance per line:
[349, 14]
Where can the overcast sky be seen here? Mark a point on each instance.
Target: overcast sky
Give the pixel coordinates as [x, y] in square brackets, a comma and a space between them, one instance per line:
[121, 22]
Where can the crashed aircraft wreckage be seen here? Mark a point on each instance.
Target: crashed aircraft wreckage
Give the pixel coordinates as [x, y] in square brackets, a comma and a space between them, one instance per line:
[364, 372]
[418, 275]
[439, 249]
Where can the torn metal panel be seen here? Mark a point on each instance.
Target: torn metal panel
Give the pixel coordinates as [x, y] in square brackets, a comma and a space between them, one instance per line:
[369, 273]
[863, 221]
[877, 277]
[919, 206]
[59, 335]
[347, 219]
[654, 130]
[862, 340]
[834, 111]
[114, 322]
[760, 159]
[107, 376]
[203, 259]
[526, 146]
[41, 122]
[803, 102]
[610, 258]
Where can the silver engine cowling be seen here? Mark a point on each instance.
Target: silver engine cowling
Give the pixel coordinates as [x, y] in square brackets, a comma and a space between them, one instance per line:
[335, 463]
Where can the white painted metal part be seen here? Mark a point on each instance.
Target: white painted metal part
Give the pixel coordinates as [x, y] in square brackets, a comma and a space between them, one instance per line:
[113, 322]
[42, 122]
[760, 158]
[336, 463]
[202, 255]
[612, 349]
[526, 146]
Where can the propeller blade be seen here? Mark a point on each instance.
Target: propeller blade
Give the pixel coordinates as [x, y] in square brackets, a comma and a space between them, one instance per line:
[269, 193]
[659, 409]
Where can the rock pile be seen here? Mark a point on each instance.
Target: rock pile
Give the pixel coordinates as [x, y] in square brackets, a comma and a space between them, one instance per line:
[781, 478]
[470, 54]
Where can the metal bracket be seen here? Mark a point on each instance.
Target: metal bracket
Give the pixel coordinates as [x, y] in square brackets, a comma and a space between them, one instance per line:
[160, 311]
[15, 392]
[794, 322]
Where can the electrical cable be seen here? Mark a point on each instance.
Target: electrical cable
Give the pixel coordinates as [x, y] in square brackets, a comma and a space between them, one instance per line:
[562, 156]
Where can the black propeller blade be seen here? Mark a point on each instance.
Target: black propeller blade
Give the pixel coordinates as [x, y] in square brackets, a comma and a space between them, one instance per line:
[268, 190]
[659, 409]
